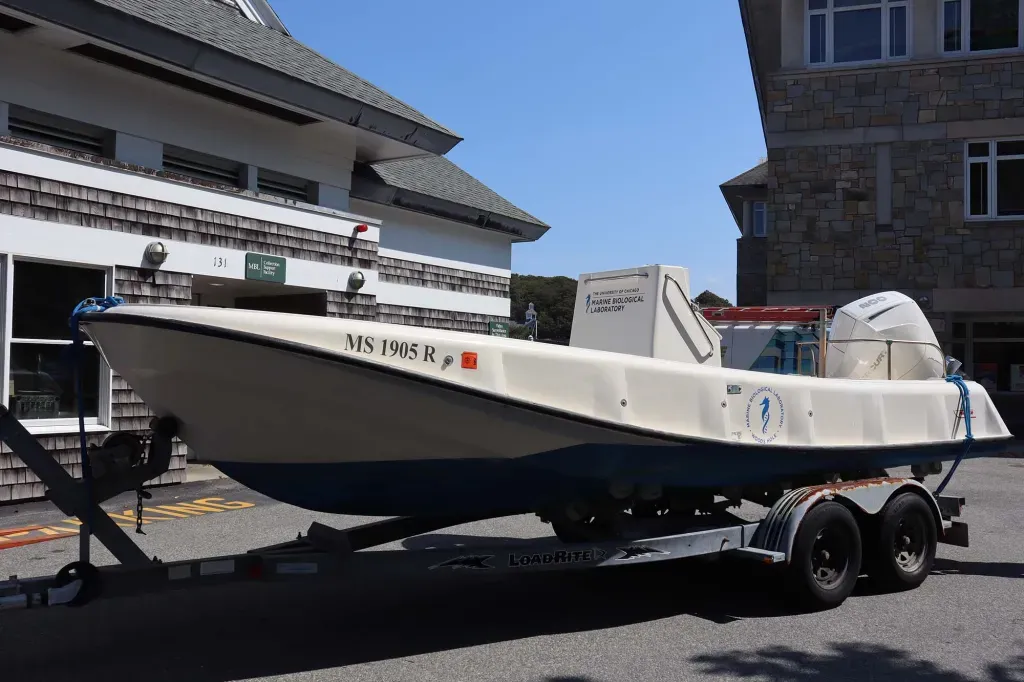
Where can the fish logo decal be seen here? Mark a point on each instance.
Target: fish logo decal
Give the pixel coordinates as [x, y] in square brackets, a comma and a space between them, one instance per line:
[474, 562]
[638, 552]
[588, 303]
[766, 413]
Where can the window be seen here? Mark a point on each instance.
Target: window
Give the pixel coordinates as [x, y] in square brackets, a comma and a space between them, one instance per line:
[981, 25]
[850, 31]
[56, 131]
[201, 166]
[995, 174]
[759, 215]
[282, 185]
[41, 383]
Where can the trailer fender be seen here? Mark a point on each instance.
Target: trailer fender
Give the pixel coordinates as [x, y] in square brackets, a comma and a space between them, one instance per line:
[869, 496]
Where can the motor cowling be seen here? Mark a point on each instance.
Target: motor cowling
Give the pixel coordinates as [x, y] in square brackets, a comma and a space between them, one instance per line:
[857, 347]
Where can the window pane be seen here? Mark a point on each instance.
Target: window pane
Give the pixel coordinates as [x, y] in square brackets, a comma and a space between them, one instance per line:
[817, 38]
[43, 381]
[818, 4]
[952, 40]
[857, 35]
[978, 187]
[855, 3]
[760, 219]
[1012, 148]
[897, 31]
[994, 24]
[999, 330]
[46, 294]
[1009, 182]
[978, 149]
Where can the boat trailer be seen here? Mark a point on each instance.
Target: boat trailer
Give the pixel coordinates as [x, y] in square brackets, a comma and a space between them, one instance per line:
[822, 536]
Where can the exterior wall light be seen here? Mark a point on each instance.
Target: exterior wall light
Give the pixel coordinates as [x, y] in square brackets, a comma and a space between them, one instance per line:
[156, 253]
[356, 280]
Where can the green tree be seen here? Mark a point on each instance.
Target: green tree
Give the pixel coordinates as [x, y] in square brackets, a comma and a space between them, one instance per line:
[709, 299]
[554, 299]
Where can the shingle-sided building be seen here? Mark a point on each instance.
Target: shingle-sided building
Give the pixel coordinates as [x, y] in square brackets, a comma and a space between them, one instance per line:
[194, 152]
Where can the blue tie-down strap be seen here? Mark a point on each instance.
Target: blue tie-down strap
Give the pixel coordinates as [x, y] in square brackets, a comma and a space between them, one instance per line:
[89, 305]
[965, 405]
[92, 305]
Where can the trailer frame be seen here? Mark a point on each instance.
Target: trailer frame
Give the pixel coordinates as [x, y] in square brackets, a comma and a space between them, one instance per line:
[324, 552]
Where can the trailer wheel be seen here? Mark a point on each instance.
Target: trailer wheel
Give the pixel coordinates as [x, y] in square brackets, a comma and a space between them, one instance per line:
[79, 570]
[906, 543]
[826, 557]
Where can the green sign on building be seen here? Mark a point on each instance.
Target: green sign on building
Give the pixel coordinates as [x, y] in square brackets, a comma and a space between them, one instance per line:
[497, 328]
[265, 268]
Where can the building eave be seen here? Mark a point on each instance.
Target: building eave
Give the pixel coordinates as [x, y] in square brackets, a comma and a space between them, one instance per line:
[206, 63]
[367, 189]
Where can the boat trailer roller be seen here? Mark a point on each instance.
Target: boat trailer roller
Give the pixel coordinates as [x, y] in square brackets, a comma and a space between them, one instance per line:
[822, 537]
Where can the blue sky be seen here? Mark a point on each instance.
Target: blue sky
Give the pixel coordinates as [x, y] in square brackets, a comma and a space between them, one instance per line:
[613, 122]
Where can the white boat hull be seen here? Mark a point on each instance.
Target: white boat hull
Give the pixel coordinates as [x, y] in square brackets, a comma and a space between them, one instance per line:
[312, 412]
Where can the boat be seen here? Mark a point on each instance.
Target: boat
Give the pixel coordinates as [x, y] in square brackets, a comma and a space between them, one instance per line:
[366, 418]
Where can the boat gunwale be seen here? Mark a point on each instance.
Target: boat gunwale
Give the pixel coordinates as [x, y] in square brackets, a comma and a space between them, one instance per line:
[321, 353]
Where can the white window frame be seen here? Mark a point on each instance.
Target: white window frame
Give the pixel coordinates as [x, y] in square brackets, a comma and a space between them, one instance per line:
[991, 178]
[965, 31]
[754, 205]
[831, 11]
[99, 423]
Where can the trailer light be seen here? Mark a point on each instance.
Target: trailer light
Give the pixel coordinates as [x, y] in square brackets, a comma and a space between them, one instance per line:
[362, 228]
[468, 360]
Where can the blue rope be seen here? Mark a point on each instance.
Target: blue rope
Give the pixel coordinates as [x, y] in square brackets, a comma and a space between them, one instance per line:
[89, 305]
[965, 403]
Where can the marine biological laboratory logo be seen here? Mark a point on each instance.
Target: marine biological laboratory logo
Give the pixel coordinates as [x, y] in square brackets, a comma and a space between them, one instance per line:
[613, 300]
[765, 415]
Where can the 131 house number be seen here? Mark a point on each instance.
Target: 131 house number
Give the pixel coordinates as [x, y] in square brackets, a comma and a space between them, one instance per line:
[220, 262]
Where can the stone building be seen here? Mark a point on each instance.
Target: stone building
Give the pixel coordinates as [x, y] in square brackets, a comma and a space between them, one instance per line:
[895, 141]
[194, 152]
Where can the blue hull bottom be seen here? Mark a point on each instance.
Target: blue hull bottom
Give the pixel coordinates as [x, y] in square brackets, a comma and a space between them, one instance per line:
[494, 487]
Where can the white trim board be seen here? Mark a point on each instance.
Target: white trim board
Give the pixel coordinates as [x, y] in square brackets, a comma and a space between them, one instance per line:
[158, 189]
[91, 246]
[87, 245]
[443, 262]
[389, 293]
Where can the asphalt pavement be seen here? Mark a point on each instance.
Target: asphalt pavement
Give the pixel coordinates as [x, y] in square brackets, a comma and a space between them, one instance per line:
[661, 622]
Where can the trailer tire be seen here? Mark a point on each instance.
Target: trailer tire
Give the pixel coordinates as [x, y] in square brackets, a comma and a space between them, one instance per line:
[84, 571]
[905, 546]
[826, 558]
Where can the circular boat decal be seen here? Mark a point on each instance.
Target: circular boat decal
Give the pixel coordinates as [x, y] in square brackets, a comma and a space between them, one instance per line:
[765, 414]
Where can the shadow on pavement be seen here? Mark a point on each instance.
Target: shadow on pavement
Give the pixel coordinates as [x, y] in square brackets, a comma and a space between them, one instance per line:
[992, 569]
[248, 631]
[257, 630]
[845, 661]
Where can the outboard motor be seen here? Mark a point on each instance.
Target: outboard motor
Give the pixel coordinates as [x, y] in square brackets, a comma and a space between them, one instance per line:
[857, 347]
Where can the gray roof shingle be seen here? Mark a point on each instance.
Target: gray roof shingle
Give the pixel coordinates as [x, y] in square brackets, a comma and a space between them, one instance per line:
[437, 176]
[758, 175]
[225, 28]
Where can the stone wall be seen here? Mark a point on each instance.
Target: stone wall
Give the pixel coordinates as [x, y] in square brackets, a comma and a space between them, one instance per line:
[896, 96]
[751, 271]
[823, 233]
